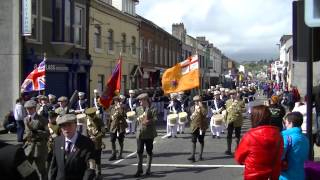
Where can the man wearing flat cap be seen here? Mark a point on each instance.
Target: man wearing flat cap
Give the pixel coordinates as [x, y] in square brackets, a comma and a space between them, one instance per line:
[73, 154]
[146, 131]
[36, 138]
[63, 106]
[96, 131]
[44, 107]
[52, 102]
[234, 107]
[117, 126]
[198, 126]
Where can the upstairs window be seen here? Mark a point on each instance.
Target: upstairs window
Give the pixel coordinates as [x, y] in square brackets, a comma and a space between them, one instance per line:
[124, 42]
[133, 46]
[62, 20]
[79, 25]
[35, 18]
[110, 40]
[97, 36]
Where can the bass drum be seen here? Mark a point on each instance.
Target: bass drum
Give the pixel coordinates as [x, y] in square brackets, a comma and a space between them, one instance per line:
[218, 119]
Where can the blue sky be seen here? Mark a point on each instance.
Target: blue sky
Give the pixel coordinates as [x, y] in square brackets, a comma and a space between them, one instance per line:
[241, 29]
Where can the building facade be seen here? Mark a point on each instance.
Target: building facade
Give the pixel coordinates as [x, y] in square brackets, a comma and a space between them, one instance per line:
[159, 50]
[114, 31]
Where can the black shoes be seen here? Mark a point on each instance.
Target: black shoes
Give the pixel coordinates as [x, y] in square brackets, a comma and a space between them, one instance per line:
[138, 173]
[191, 158]
[112, 158]
[227, 152]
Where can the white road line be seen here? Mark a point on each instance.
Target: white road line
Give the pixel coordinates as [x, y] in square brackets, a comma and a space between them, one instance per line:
[128, 156]
[193, 165]
[165, 136]
[132, 154]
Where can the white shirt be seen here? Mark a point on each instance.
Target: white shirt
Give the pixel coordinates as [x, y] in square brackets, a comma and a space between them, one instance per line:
[72, 140]
[19, 112]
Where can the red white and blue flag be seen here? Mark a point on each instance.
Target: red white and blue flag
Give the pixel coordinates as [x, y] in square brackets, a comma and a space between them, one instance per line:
[35, 81]
[113, 86]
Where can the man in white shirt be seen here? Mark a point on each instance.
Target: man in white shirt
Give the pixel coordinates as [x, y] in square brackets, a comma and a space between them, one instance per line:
[19, 115]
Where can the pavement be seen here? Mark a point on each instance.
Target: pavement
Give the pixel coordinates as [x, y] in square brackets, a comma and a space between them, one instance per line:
[170, 157]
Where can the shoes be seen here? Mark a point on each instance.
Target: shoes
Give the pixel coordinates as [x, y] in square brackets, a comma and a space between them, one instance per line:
[120, 157]
[112, 158]
[169, 136]
[175, 136]
[200, 158]
[218, 137]
[213, 136]
[138, 173]
[228, 152]
[182, 132]
[191, 158]
[178, 132]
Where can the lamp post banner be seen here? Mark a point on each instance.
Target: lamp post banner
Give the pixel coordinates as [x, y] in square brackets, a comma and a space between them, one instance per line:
[26, 18]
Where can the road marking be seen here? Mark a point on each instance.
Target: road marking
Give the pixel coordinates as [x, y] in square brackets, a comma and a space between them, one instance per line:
[193, 165]
[129, 155]
[165, 136]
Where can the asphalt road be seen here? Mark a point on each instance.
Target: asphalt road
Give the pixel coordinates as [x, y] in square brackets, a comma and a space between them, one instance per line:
[170, 157]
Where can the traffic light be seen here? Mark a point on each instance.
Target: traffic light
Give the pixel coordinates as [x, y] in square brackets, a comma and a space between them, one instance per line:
[312, 13]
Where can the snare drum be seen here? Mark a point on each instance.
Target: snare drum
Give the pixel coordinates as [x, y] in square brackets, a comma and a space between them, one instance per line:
[131, 115]
[182, 117]
[81, 118]
[172, 119]
[218, 119]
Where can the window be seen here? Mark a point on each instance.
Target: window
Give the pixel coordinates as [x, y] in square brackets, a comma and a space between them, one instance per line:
[62, 20]
[141, 49]
[35, 31]
[79, 32]
[110, 40]
[100, 82]
[133, 46]
[58, 20]
[67, 21]
[128, 6]
[124, 42]
[149, 51]
[166, 61]
[97, 36]
[156, 54]
[161, 56]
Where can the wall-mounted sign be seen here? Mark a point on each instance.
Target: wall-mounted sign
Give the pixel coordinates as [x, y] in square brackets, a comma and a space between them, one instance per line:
[26, 18]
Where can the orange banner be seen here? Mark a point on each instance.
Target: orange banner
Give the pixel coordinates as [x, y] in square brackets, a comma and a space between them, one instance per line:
[181, 77]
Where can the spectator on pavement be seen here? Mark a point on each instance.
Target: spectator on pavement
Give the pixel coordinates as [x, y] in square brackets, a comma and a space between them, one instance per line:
[261, 147]
[19, 114]
[296, 147]
[9, 123]
[277, 112]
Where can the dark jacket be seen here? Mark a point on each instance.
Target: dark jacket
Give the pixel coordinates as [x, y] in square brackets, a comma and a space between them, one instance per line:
[277, 114]
[75, 166]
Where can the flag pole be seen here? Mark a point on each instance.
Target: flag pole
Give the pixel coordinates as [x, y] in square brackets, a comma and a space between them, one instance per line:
[44, 58]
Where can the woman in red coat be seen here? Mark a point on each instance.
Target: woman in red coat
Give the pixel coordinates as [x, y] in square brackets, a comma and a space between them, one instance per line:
[261, 148]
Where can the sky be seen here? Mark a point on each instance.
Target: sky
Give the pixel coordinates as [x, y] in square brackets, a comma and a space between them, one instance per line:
[244, 30]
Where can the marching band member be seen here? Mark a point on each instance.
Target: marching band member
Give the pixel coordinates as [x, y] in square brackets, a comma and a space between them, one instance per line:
[80, 108]
[52, 102]
[131, 104]
[182, 115]
[117, 126]
[95, 131]
[198, 126]
[146, 132]
[174, 108]
[235, 107]
[216, 120]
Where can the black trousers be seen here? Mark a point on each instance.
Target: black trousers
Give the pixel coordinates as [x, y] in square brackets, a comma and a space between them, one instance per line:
[145, 142]
[196, 135]
[113, 137]
[20, 130]
[230, 131]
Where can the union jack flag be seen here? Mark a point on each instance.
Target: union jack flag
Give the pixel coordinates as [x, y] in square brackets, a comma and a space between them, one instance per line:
[35, 81]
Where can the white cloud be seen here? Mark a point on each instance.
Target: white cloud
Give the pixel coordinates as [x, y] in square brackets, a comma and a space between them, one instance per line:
[242, 29]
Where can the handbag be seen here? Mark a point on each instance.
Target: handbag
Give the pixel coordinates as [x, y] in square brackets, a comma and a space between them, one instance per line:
[284, 162]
